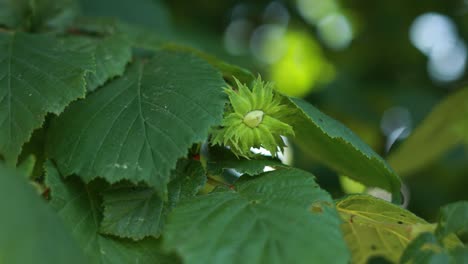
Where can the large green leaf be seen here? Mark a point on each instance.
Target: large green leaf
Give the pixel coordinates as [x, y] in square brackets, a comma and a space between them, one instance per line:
[335, 145]
[79, 206]
[374, 227]
[37, 76]
[138, 212]
[30, 232]
[278, 217]
[138, 126]
[112, 54]
[443, 129]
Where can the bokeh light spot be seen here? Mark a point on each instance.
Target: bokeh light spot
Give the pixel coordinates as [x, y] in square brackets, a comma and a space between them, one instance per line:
[433, 34]
[450, 66]
[236, 37]
[314, 10]
[267, 43]
[436, 36]
[276, 13]
[335, 31]
[302, 66]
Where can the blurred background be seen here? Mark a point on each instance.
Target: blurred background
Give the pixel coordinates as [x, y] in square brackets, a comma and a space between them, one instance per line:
[377, 66]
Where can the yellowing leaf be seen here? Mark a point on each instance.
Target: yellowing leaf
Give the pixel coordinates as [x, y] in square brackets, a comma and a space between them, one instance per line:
[374, 227]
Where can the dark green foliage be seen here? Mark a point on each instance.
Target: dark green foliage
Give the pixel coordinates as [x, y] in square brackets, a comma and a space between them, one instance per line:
[30, 231]
[107, 111]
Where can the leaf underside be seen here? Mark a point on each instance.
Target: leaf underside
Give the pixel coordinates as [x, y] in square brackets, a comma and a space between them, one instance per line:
[338, 147]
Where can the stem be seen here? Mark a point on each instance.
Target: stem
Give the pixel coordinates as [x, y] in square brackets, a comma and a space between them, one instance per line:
[216, 182]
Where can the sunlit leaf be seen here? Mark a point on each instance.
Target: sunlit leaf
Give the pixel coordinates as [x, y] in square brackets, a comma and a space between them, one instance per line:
[374, 227]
